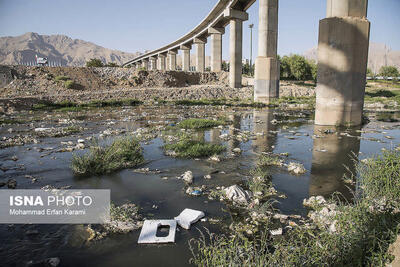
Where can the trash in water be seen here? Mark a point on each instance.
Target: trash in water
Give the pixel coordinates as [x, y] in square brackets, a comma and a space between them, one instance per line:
[148, 235]
[189, 216]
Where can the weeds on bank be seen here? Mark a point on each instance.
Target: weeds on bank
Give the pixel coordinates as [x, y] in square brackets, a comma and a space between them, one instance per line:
[72, 106]
[361, 234]
[200, 123]
[124, 152]
[188, 148]
[219, 102]
[11, 121]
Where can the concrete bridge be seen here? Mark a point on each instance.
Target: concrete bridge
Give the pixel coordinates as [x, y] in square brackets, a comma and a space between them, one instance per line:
[342, 54]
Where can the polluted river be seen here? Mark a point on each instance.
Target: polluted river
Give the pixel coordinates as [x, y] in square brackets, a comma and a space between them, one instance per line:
[37, 148]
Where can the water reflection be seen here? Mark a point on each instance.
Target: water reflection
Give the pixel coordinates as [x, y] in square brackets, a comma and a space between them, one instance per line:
[332, 155]
[265, 131]
[234, 129]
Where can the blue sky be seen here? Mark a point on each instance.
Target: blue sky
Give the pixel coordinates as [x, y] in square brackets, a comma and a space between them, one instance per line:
[136, 25]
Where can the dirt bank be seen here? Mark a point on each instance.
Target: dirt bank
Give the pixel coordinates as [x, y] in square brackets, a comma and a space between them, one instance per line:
[23, 86]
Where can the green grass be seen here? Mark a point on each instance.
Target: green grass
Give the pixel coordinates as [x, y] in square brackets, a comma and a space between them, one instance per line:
[69, 84]
[382, 95]
[219, 102]
[123, 153]
[186, 148]
[61, 78]
[72, 106]
[269, 160]
[364, 230]
[11, 121]
[200, 123]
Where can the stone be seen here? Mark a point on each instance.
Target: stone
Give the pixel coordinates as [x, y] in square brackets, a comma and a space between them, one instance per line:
[296, 168]
[237, 150]
[188, 217]
[187, 177]
[276, 232]
[148, 235]
[11, 183]
[236, 194]
[214, 158]
[207, 177]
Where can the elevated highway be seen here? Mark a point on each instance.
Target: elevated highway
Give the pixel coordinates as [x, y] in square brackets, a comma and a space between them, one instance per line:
[343, 51]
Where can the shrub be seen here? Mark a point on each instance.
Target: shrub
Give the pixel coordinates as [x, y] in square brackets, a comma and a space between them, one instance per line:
[94, 62]
[61, 78]
[199, 123]
[123, 153]
[71, 85]
[194, 149]
[389, 71]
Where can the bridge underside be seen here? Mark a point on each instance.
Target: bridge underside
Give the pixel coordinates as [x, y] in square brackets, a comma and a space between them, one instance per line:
[342, 54]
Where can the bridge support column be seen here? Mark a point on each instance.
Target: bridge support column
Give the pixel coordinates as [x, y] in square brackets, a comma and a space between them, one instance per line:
[153, 63]
[342, 63]
[266, 82]
[161, 61]
[200, 54]
[145, 63]
[186, 57]
[216, 48]
[172, 60]
[235, 45]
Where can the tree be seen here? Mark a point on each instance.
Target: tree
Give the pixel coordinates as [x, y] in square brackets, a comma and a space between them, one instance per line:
[94, 62]
[314, 69]
[285, 68]
[300, 68]
[389, 71]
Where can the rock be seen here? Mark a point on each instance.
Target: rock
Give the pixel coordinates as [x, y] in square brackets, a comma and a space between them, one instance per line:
[276, 232]
[312, 201]
[207, 177]
[38, 130]
[14, 158]
[80, 146]
[81, 140]
[11, 183]
[215, 158]
[187, 177]
[296, 168]
[237, 150]
[236, 194]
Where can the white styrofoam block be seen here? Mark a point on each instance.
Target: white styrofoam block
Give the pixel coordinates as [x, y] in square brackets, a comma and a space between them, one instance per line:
[189, 216]
[148, 235]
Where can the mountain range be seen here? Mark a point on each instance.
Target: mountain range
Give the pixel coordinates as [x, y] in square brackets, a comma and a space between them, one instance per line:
[379, 55]
[59, 49]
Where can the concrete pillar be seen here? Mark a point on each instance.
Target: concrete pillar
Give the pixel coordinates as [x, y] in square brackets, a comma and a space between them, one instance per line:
[266, 82]
[172, 60]
[153, 63]
[145, 63]
[236, 18]
[200, 54]
[342, 63]
[186, 57]
[161, 59]
[216, 48]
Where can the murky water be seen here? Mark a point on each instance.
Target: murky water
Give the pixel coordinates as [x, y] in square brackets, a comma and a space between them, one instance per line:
[326, 156]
